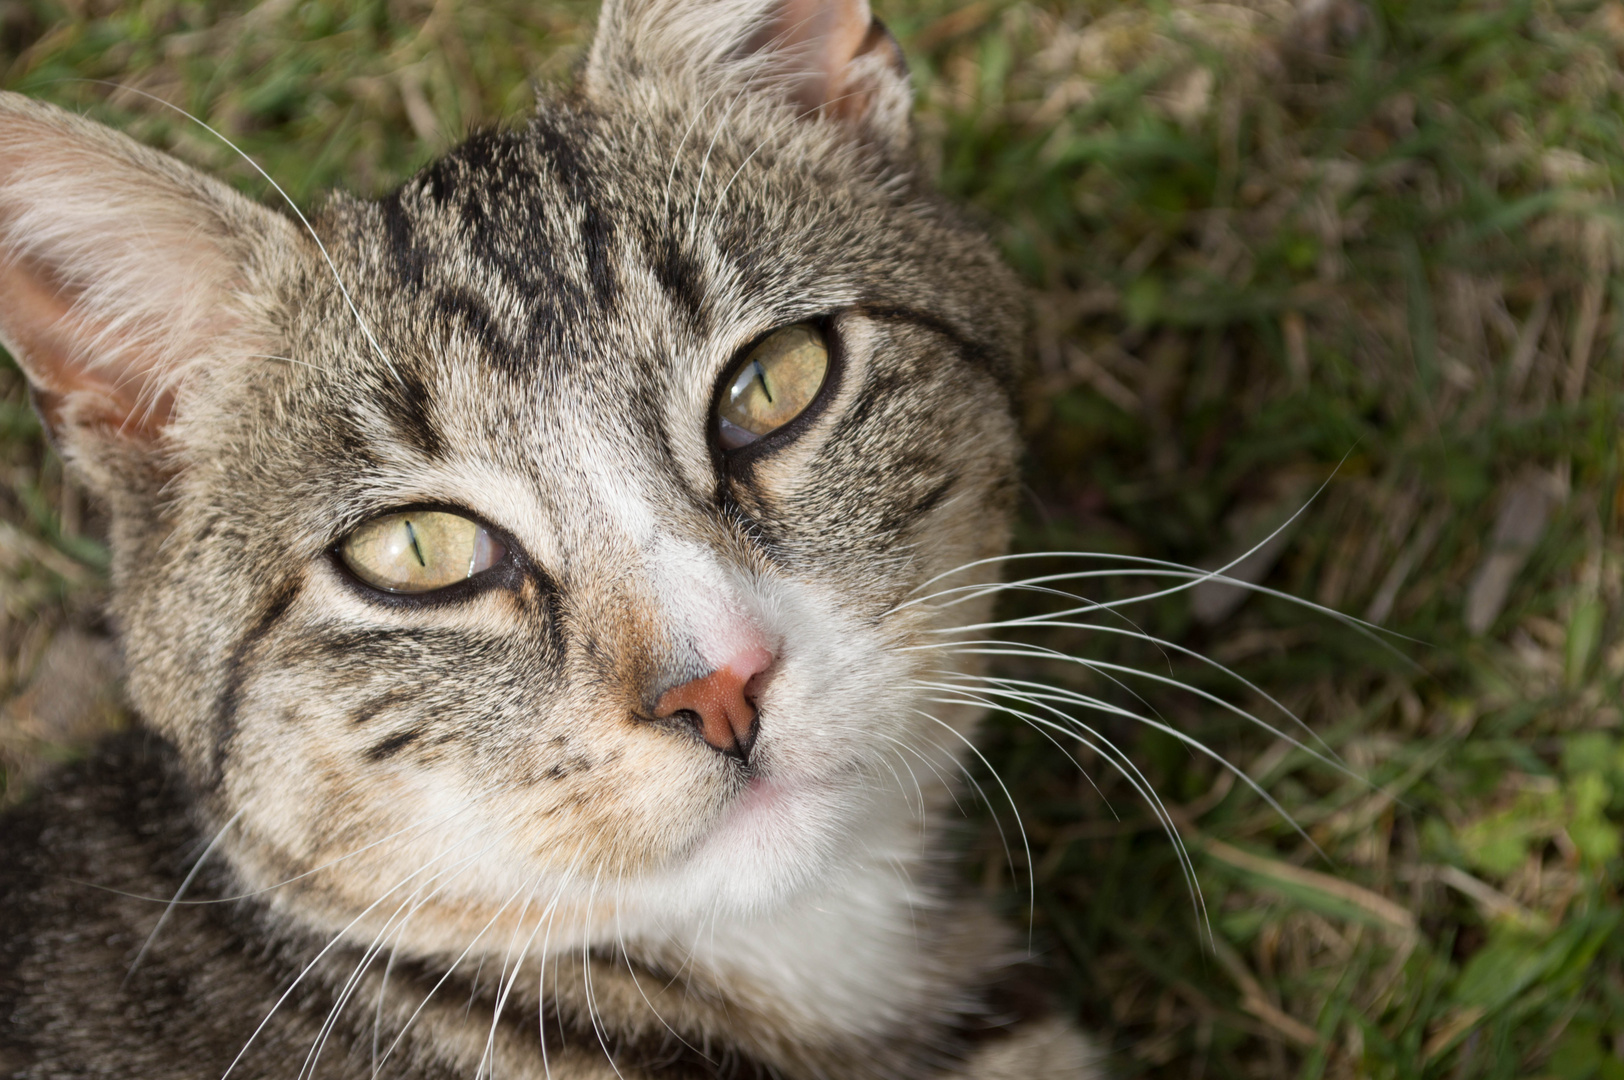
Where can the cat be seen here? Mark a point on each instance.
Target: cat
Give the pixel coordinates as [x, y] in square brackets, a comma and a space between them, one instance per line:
[532, 589]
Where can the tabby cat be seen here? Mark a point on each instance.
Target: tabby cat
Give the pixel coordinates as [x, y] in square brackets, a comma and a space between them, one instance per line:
[530, 589]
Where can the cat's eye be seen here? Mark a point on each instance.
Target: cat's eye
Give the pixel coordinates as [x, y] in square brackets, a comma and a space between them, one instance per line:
[772, 385]
[418, 551]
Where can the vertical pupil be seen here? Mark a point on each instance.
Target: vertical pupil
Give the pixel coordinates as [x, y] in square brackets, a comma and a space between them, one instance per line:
[761, 376]
[411, 534]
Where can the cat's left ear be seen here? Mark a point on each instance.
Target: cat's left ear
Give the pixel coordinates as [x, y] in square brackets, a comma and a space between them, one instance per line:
[828, 59]
[121, 271]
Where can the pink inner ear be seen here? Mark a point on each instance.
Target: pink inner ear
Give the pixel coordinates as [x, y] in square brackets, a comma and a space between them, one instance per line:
[40, 321]
[118, 269]
[816, 42]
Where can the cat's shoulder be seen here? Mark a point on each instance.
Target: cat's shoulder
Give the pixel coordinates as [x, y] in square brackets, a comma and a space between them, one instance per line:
[87, 862]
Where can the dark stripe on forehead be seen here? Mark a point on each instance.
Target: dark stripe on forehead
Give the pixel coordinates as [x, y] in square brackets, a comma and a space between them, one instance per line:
[681, 276]
[560, 146]
[236, 672]
[399, 243]
[408, 403]
[486, 199]
[469, 310]
[536, 209]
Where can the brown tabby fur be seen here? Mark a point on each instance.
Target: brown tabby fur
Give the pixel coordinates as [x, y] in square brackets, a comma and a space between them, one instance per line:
[444, 836]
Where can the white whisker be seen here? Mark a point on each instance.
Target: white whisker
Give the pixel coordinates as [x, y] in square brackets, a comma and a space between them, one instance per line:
[620, 941]
[174, 901]
[676, 155]
[331, 265]
[1219, 572]
[379, 1062]
[325, 949]
[1050, 693]
[505, 983]
[1118, 760]
[1162, 643]
[766, 141]
[704, 163]
[1035, 651]
[586, 984]
[411, 905]
[1031, 879]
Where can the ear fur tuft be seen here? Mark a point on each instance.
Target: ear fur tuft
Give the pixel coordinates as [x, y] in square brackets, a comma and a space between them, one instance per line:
[120, 270]
[826, 58]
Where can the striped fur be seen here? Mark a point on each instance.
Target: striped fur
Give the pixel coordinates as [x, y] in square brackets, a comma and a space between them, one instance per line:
[531, 332]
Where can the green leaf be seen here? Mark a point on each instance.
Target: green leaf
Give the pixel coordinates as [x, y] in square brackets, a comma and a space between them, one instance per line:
[1499, 843]
[1513, 960]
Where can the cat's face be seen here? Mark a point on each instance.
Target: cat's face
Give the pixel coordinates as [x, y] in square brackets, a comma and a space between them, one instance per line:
[459, 583]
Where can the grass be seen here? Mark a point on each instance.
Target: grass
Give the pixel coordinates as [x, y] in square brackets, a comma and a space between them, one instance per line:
[1363, 254]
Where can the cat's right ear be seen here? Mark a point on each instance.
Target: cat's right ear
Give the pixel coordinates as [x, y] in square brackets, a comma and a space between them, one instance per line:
[120, 270]
[830, 60]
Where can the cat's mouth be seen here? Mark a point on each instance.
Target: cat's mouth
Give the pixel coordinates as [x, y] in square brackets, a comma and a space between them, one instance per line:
[761, 794]
[768, 804]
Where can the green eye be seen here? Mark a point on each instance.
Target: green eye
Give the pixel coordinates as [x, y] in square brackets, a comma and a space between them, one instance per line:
[419, 551]
[773, 385]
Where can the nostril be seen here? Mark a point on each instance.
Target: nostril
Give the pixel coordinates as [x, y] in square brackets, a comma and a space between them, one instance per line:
[755, 685]
[722, 704]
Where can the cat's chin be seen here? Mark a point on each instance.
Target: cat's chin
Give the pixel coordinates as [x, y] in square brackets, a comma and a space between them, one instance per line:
[780, 839]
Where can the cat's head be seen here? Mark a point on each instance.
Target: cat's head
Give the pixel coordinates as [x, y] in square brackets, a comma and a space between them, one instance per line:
[556, 526]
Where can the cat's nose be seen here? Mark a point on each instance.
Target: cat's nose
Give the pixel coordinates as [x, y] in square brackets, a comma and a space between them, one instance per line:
[723, 703]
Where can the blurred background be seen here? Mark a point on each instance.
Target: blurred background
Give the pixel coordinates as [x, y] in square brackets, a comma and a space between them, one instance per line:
[1355, 259]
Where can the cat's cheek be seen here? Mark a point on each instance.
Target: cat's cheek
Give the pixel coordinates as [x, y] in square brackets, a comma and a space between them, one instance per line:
[471, 839]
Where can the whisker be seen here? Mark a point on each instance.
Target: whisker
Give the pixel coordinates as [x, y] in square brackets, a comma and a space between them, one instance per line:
[592, 1011]
[377, 1009]
[963, 648]
[1071, 696]
[541, 966]
[1031, 878]
[1182, 651]
[902, 747]
[969, 778]
[676, 155]
[411, 905]
[325, 949]
[1103, 667]
[186, 883]
[766, 141]
[620, 941]
[330, 1022]
[504, 984]
[704, 163]
[1124, 766]
[1153, 568]
[331, 266]
[1220, 571]
[379, 1062]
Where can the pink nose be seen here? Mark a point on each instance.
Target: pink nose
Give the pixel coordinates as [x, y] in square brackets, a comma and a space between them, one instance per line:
[723, 702]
